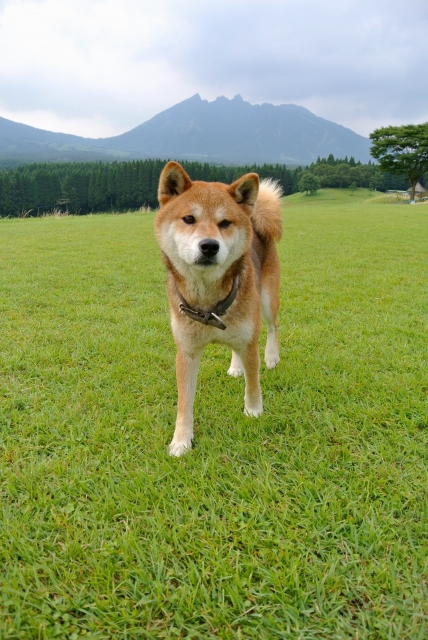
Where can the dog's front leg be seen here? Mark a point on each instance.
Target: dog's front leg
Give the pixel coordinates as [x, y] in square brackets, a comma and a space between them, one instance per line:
[253, 393]
[187, 367]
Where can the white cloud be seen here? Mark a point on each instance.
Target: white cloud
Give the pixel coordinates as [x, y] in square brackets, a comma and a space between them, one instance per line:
[100, 67]
[85, 60]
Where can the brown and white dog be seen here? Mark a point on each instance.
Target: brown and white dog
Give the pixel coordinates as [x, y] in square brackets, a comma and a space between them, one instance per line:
[218, 244]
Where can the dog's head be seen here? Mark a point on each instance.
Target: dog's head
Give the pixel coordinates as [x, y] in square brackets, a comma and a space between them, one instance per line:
[204, 225]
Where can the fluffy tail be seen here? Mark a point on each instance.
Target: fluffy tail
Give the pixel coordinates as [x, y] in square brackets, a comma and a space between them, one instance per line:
[266, 218]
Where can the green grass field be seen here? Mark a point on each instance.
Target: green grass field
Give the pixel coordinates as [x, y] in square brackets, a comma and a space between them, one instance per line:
[309, 522]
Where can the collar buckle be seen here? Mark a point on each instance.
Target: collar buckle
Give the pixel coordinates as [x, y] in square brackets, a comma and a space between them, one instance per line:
[209, 317]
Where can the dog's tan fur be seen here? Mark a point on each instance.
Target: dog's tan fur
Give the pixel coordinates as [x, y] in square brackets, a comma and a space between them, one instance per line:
[192, 213]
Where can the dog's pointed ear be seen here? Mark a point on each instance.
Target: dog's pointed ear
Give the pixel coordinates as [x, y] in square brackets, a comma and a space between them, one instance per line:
[173, 182]
[246, 189]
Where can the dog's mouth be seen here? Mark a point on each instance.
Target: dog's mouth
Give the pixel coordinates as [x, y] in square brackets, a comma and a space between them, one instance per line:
[206, 262]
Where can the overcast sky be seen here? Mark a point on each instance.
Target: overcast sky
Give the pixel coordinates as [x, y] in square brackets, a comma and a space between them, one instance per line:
[100, 67]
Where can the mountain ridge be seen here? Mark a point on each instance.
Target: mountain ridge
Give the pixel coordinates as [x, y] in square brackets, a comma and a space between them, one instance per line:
[230, 131]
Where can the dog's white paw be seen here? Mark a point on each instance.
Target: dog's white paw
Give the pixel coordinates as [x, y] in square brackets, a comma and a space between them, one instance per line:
[179, 448]
[254, 412]
[271, 360]
[235, 371]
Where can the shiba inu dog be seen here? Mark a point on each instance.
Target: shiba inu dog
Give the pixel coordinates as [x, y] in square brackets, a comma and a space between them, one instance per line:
[218, 245]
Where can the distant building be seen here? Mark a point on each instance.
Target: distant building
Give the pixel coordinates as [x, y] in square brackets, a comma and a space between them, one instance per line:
[419, 190]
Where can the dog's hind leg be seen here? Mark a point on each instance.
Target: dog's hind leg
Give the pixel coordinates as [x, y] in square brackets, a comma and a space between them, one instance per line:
[270, 306]
[236, 367]
[269, 313]
[187, 367]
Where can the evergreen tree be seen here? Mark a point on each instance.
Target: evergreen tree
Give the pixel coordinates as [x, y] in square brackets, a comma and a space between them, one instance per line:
[6, 203]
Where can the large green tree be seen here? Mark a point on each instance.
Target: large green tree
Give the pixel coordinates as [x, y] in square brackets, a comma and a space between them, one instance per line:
[402, 151]
[309, 183]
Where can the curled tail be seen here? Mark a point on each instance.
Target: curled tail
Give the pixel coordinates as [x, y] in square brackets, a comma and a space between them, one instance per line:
[266, 218]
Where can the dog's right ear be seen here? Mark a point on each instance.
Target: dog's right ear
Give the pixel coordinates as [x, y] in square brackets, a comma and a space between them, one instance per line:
[244, 190]
[173, 182]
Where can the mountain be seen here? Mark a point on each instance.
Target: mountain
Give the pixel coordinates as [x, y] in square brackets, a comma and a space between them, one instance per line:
[226, 131]
[22, 142]
[237, 131]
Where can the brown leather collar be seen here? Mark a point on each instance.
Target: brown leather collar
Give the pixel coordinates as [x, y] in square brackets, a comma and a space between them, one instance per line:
[209, 317]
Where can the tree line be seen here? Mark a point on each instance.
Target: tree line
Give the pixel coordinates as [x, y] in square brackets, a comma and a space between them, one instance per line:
[337, 173]
[33, 189]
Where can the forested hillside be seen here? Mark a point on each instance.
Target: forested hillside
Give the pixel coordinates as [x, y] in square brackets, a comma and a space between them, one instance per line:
[95, 186]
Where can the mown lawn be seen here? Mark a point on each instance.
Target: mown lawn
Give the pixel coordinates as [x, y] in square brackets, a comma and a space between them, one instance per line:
[310, 522]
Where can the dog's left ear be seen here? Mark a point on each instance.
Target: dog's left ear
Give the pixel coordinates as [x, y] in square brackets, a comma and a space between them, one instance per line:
[246, 189]
[173, 182]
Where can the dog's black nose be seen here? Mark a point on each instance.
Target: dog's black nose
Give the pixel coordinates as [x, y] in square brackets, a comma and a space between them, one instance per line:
[209, 247]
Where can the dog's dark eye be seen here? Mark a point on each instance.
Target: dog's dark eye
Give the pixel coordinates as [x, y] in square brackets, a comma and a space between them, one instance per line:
[189, 219]
[224, 224]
